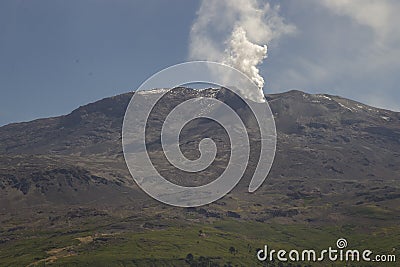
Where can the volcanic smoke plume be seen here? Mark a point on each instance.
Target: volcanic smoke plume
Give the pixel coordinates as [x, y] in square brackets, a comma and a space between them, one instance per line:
[236, 32]
[245, 55]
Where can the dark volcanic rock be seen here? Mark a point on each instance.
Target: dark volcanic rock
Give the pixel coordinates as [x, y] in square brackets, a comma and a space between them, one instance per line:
[330, 150]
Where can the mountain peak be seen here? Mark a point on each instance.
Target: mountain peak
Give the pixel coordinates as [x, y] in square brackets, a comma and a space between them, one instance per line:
[100, 122]
[328, 148]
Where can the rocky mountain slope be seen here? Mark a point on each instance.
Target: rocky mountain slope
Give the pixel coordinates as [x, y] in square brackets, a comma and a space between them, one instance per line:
[67, 198]
[331, 152]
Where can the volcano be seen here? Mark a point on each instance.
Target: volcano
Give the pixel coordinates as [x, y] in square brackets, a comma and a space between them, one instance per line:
[337, 164]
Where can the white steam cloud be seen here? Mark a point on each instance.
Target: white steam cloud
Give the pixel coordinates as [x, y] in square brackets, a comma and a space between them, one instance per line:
[236, 32]
[245, 55]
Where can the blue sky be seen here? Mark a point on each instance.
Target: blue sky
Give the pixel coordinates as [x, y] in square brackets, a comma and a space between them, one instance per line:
[58, 55]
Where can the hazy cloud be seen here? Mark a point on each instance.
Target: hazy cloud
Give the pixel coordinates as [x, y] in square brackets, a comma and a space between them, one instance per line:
[345, 47]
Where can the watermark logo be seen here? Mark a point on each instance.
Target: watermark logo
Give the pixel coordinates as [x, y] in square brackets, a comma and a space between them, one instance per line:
[338, 254]
[341, 243]
[159, 112]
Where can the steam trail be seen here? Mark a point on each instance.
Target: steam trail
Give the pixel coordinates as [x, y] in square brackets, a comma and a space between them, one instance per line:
[236, 32]
[245, 55]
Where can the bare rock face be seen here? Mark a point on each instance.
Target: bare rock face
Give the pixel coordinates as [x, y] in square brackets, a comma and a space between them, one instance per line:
[331, 151]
